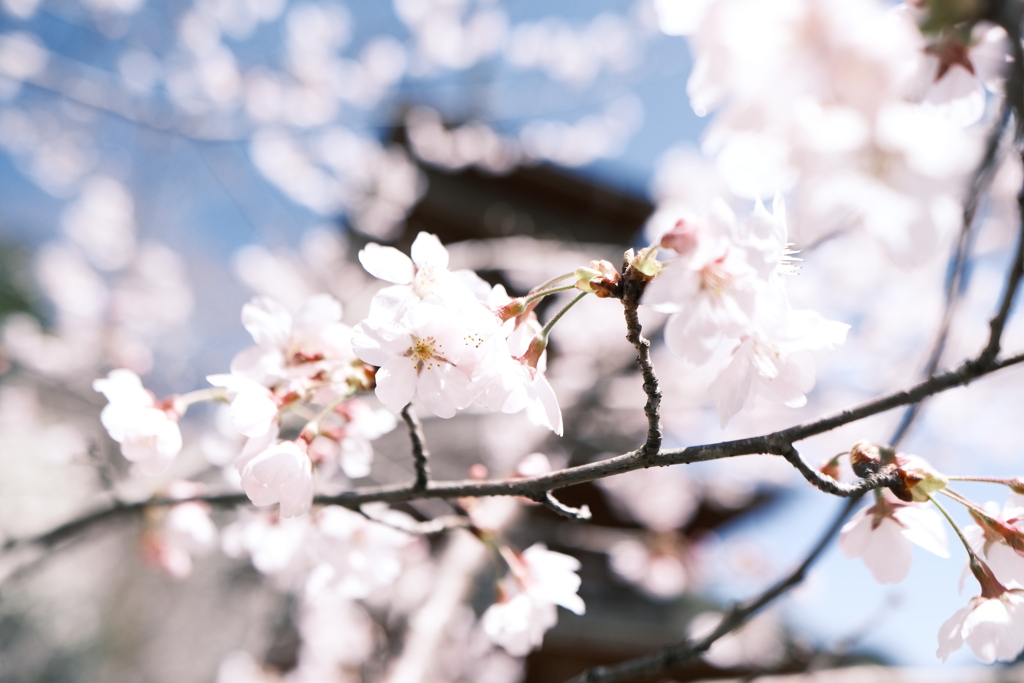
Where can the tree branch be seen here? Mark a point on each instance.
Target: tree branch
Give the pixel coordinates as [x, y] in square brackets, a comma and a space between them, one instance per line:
[777, 443]
[420, 454]
[883, 478]
[632, 291]
[674, 656]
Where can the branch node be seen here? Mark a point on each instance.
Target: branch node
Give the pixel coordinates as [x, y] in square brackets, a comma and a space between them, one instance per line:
[548, 500]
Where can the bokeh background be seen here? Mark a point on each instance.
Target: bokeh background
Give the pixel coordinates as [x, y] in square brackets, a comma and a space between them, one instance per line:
[162, 161]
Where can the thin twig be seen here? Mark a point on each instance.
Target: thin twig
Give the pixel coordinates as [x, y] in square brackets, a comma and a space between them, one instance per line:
[425, 528]
[420, 454]
[998, 323]
[955, 278]
[1009, 15]
[674, 656]
[632, 291]
[548, 500]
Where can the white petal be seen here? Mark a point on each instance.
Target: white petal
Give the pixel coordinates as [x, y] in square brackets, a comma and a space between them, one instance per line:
[396, 384]
[924, 527]
[268, 322]
[427, 250]
[123, 386]
[387, 263]
[356, 458]
[950, 633]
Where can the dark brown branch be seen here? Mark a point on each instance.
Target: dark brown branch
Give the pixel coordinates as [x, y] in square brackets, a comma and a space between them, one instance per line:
[677, 655]
[632, 291]
[883, 478]
[420, 454]
[777, 443]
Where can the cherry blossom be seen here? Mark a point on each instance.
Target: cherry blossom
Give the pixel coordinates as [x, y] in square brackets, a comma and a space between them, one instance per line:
[422, 276]
[539, 581]
[956, 74]
[348, 446]
[431, 352]
[993, 627]
[186, 530]
[354, 556]
[254, 410]
[512, 376]
[709, 289]
[881, 536]
[276, 546]
[726, 287]
[148, 434]
[302, 350]
[280, 474]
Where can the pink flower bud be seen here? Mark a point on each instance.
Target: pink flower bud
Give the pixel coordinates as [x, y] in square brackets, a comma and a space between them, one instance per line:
[682, 238]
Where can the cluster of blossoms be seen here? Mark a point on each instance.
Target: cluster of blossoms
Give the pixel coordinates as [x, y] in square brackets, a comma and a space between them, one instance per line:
[992, 623]
[445, 339]
[849, 105]
[725, 291]
[450, 339]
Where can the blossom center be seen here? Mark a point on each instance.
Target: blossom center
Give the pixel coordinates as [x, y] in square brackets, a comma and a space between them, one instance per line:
[715, 276]
[426, 352]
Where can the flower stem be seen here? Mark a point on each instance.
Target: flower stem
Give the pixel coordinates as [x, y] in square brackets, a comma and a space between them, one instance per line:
[1005, 481]
[956, 528]
[313, 426]
[530, 298]
[550, 283]
[558, 316]
[966, 502]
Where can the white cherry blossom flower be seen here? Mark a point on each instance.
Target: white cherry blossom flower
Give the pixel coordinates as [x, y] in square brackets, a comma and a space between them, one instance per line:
[311, 347]
[512, 378]
[355, 556]
[254, 410]
[148, 433]
[993, 627]
[349, 447]
[281, 474]
[710, 291]
[277, 547]
[432, 352]
[540, 580]
[423, 276]
[956, 75]
[772, 358]
[881, 536]
[186, 530]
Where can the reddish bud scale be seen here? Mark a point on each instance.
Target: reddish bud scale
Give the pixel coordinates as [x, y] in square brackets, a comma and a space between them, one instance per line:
[831, 468]
[865, 458]
[604, 288]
